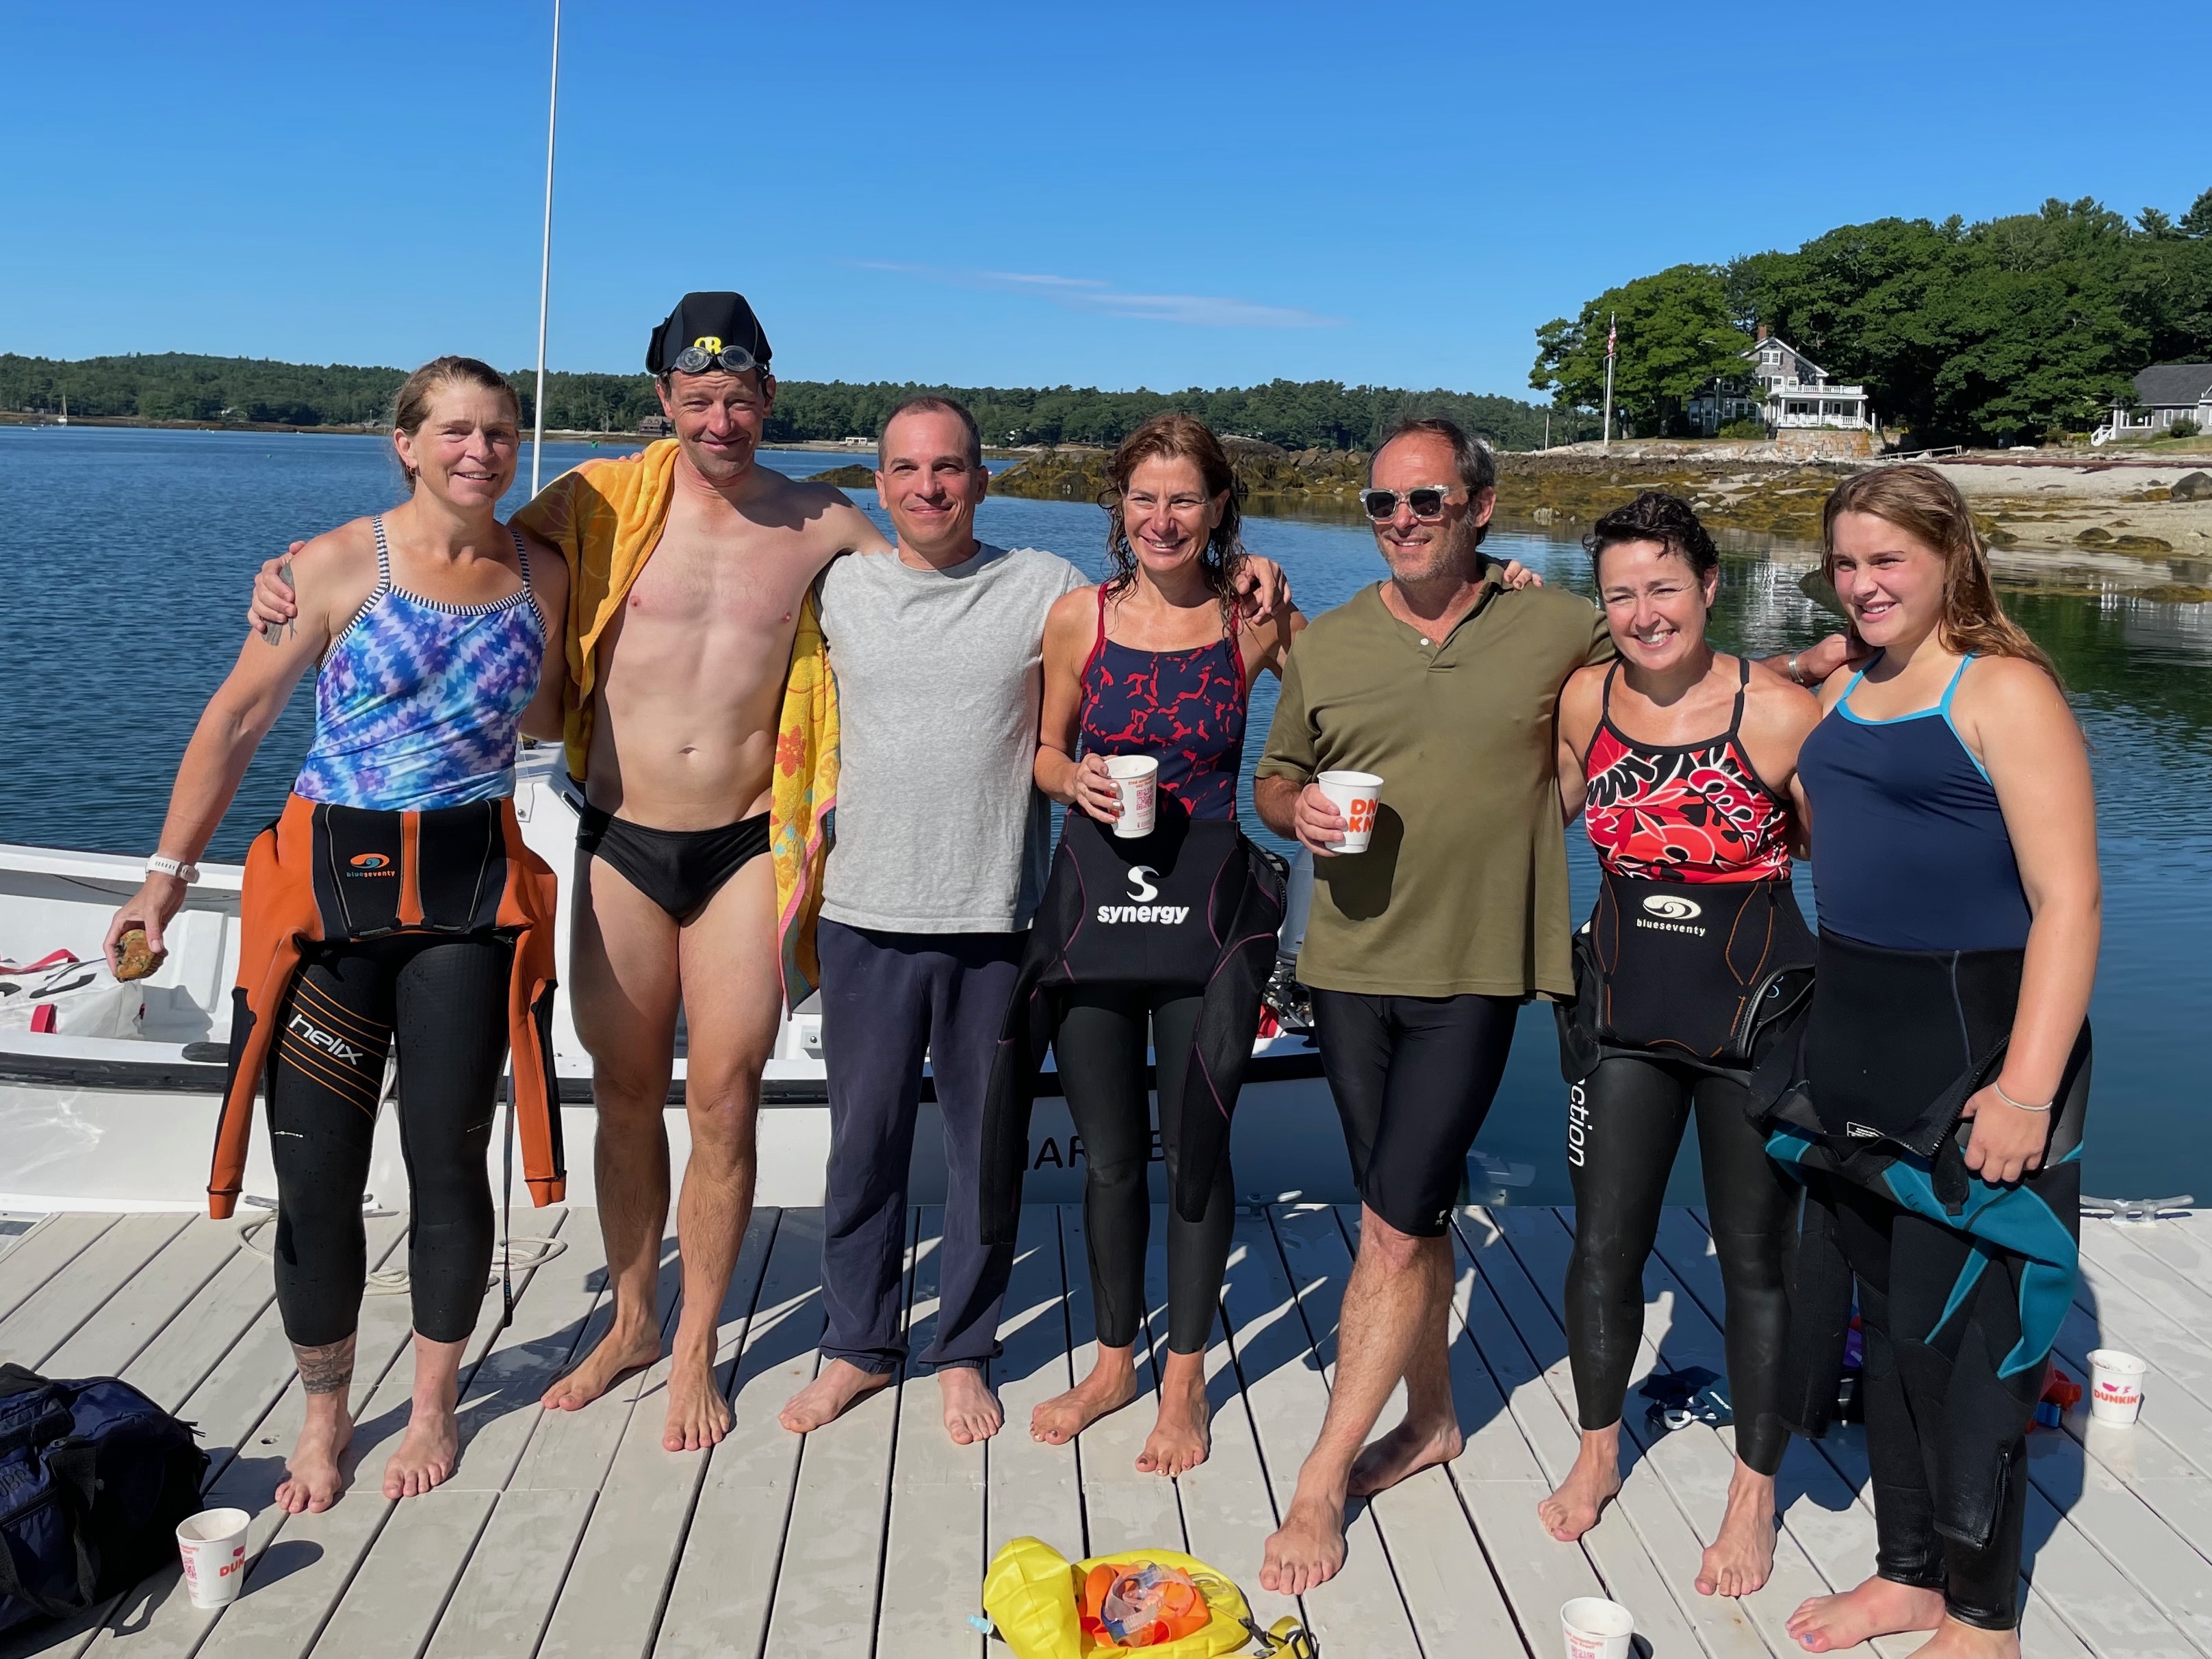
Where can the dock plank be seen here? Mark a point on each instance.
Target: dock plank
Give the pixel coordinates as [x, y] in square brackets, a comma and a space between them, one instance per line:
[503, 1600]
[1122, 1509]
[727, 1577]
[570, 1452]
[49, 1315]
[1529, 1288]
[593, 1540]
[934, 1556]
[1518, 1458]
[1033, 1490]
[611, 1601]
[1226, 1511]
[121, 1326]
[1360, 1610]
[296, 1585]
[833, 1547]
[394, 1603]
[1446, 1581]
[34, 1258]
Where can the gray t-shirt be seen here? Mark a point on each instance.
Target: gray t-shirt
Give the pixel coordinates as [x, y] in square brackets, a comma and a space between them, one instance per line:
[940, 828]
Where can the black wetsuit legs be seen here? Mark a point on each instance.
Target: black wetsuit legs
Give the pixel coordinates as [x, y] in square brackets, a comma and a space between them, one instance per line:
[1100, 1053]
[447, 1000]
[1924, 1290]
[1625, 1124]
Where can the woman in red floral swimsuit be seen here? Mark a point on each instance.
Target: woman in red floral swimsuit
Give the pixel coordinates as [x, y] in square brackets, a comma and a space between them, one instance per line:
[1683, 762]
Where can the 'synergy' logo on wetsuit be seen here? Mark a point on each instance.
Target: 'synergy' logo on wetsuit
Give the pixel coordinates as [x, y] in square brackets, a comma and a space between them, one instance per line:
[1141, 889]
[338, 1047]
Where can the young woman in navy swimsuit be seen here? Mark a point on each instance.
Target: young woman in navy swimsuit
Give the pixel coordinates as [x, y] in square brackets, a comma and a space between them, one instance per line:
[1157, 660]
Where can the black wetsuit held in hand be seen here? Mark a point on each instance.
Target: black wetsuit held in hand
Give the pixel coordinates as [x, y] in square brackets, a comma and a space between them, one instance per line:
[448, 999]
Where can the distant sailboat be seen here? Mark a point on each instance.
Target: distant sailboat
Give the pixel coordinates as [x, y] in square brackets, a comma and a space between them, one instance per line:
[64, 419]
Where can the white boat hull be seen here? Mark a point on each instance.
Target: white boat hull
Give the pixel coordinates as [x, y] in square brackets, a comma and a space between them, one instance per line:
[112, 1123]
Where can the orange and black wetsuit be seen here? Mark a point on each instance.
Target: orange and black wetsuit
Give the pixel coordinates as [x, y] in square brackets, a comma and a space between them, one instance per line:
[394, 904]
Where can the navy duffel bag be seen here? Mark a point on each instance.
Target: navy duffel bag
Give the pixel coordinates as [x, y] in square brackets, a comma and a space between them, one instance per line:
[94, 1479]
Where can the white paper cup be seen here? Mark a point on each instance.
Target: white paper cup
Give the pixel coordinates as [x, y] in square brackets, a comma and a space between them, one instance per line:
[1137, 780]
[1596, 1628]
[213, 1544]
[1357, 795]
[2115, 1385]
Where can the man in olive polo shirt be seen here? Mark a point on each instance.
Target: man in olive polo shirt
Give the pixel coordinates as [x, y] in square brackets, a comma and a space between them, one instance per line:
[1418, 951]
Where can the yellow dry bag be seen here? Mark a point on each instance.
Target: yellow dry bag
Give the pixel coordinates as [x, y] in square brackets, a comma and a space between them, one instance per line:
[1033, 1594]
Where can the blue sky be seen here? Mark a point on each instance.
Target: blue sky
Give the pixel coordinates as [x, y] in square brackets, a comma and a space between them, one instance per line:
[1135, 194]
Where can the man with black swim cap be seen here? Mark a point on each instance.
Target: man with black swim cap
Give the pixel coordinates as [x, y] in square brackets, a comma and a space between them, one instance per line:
[700, 729]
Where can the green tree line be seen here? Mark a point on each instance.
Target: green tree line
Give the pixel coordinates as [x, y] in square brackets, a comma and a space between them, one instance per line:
[1297, 415]
[2001, 330]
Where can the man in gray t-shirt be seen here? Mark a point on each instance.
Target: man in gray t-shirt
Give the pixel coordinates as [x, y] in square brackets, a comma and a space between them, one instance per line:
[939, 856]
[937, 859]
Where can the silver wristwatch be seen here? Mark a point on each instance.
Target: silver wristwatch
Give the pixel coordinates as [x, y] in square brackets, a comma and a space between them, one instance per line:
[158, 866]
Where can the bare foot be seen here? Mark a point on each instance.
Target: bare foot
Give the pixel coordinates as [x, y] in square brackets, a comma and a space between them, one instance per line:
[1877, 1607]
[1108, 1388]
[1741, 1558]
[829, 1395]
[1954, 1640]
[1592, 1484]
[617, 1356]
[972, 1411]
[1407, 1449]
[1307, 1550]
[698, 1416]
[314, 1482]
[427, 1454]
[1180, 1439]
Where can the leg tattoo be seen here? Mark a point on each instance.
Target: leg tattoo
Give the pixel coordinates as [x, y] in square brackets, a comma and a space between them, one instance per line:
[327, 1368]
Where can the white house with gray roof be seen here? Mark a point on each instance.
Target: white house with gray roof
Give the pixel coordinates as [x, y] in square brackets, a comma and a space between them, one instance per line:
[2164, 393]
[1786, 389]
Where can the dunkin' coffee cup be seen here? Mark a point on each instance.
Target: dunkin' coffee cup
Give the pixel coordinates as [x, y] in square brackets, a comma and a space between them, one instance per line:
[2115, 1385]
[213, 1544]
[1596, 1628]
[1357, 795]
[1137, 780]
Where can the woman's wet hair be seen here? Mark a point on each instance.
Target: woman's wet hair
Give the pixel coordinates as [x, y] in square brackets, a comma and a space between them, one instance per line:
[1179, 437]
[1656, 516]
[1928, 506]
[411, 405]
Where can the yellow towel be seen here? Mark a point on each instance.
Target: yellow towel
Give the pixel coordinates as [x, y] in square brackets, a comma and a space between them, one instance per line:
[605, 517]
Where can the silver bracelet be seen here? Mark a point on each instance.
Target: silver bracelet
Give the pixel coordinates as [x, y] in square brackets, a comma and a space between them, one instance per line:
[1791, 669]
[2021, 1105]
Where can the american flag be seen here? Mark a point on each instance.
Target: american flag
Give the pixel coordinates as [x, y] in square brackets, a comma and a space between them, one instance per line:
[1612, 336]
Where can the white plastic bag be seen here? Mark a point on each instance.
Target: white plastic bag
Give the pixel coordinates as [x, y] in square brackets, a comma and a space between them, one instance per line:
[67, 997]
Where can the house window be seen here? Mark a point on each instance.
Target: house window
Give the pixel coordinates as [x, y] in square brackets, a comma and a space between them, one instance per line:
[1770, 355]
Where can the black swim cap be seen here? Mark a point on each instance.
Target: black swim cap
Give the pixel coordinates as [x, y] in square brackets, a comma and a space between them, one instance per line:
[716, 321]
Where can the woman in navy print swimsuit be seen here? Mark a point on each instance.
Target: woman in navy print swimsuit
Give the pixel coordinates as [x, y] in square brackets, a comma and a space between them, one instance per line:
[1157, 660]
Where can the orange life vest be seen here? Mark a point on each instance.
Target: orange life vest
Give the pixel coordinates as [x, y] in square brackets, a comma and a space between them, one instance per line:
[325, 874]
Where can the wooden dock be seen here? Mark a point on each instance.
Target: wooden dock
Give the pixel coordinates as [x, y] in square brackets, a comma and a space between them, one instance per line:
[576, 1534]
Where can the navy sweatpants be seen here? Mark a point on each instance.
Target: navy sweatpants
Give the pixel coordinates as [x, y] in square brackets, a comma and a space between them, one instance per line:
[885, 999]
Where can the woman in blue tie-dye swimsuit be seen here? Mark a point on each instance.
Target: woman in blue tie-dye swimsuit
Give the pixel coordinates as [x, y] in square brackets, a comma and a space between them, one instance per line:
[393, 904]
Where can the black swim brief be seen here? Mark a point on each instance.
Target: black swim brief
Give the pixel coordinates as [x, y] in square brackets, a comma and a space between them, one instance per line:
[679, 870]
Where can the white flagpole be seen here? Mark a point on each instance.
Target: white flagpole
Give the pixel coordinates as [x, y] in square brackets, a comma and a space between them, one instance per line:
[1612, 324]
[545, 261]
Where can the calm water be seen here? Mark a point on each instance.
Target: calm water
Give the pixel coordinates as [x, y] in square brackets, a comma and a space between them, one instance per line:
[127, 556]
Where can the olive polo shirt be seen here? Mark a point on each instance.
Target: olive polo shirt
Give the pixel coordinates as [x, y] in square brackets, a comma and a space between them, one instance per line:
[1464, 887]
